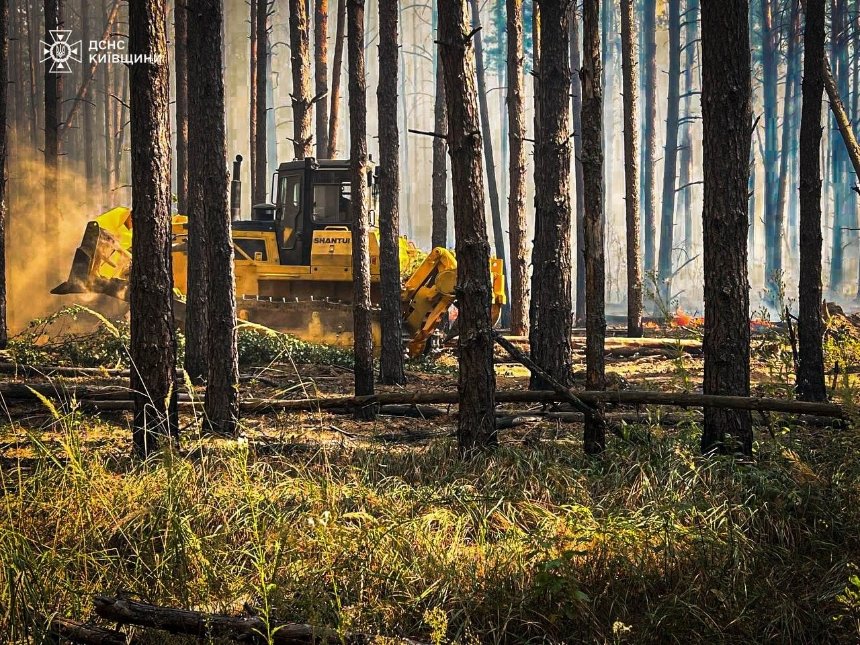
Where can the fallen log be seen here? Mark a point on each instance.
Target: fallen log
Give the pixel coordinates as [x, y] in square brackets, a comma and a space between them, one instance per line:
[247, 629]
[22, 369]
[68, 630]
[657, 343]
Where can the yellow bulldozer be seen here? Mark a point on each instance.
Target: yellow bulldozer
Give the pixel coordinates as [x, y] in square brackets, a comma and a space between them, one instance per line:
[293, 260]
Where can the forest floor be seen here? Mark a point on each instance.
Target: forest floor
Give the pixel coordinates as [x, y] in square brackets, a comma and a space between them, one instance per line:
[379, 528]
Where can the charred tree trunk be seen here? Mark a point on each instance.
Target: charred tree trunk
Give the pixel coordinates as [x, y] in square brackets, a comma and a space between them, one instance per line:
[772, 214]
[841, 198]
[53, 122]
[631, 172]
[363, 338]
[391, 359]
[4, 153]
[685, 190]
[337, 64]
[476, 423]
[649, 135]
[252, 121]
[592, 164]
[153, 342]
[576, 93]
[180, 48]
[207, 133]
[439, 208]
[670, 156]
[321, 75]
[727, 123]
[261, 136]
[789, 125]
[489, 158]
[517, 171]
[300, 65]
[810, 327]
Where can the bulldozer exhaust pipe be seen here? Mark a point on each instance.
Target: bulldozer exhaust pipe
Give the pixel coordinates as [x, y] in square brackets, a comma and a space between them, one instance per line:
[236, 190]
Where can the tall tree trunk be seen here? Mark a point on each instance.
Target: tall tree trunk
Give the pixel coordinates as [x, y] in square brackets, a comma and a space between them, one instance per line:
[439, 206]
[592, 165]
[841, 219]
[108, 170]
[53, 121]
[337, 65]
[489, 158]
[321, 75]
[476, 422]
[727, 124]
[391, 359]
[4, 153]
[208, 175]
[363, 338]
[261, 139]
[810, 327]
[670, 156]
[300, 65]
[789, 126]
[88, 108]
[32, 60]
[153, 342]
[576, 93]
[631, 172]
[685, 190]
[252, 120]
[180, 44]
[517, 171]
[772, 215]
[649, 135]
[404, 123]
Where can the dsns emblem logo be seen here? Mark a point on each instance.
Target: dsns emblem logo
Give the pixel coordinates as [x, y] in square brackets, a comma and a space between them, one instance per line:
[60, 51]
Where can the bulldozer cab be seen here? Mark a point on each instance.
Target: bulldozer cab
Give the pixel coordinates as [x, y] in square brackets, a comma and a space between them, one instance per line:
[309, 195]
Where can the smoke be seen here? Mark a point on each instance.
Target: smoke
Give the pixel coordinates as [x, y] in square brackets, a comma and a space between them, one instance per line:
[36, 263]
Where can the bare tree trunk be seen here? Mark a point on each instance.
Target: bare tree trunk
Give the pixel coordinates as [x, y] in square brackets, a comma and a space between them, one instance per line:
[252, 121]
[476, 423]
[108, 170]
[153, 342]
[53, 121]
[670, 156]
[88, 107]
[727, 124]
[810, 327]
[576, 93]
[772, 215]
[789, 125]
[841, 220]
[592, 164]
[208, 169]
[337, 64]
[32, 60]
[261, 139]
[549, 336]
[321, 75]
[363, 338]
[300, 65]
[4, 153]
[517, 171]
[685, 189]
[180, 44]
[631, 172]
[439, 207]
[649, 135]
[391, 359]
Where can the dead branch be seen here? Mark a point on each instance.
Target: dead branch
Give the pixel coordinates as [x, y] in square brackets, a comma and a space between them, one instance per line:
[68, 630]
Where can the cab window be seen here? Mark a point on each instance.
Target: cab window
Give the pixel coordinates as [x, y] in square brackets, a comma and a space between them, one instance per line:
[331, 203]
[290, 197]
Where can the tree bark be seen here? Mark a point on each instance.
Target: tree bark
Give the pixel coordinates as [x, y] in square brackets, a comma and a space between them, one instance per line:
[391, 359]
[153, 342]
[439, 205]
[810, 327]
[88, 106]
[363, 338]
[4, 153]
[670, 156]
[789, 111]
[337, 65]
[772, 215]
[685, 191]
[517, 170]
[649, 135]
[592, 165]
[631, 172]
[53, 123]
[180, 45]
[727, 126]
[576, 93]
[552, 322]
[842, 219]
[321, 75]
[300, 65]
[208, 164]
[261, 137]
[476, 425]
[252, 121]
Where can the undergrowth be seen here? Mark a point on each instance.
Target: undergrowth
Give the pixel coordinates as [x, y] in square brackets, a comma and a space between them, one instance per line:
[651, 544]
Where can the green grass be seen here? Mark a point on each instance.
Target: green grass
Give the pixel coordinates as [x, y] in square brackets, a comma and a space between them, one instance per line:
[530, 544]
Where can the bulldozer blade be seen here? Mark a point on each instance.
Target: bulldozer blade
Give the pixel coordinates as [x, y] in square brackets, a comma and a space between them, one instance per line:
[95, 247]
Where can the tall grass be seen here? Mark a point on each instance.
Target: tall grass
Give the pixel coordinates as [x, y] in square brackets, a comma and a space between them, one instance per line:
[651, 544]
